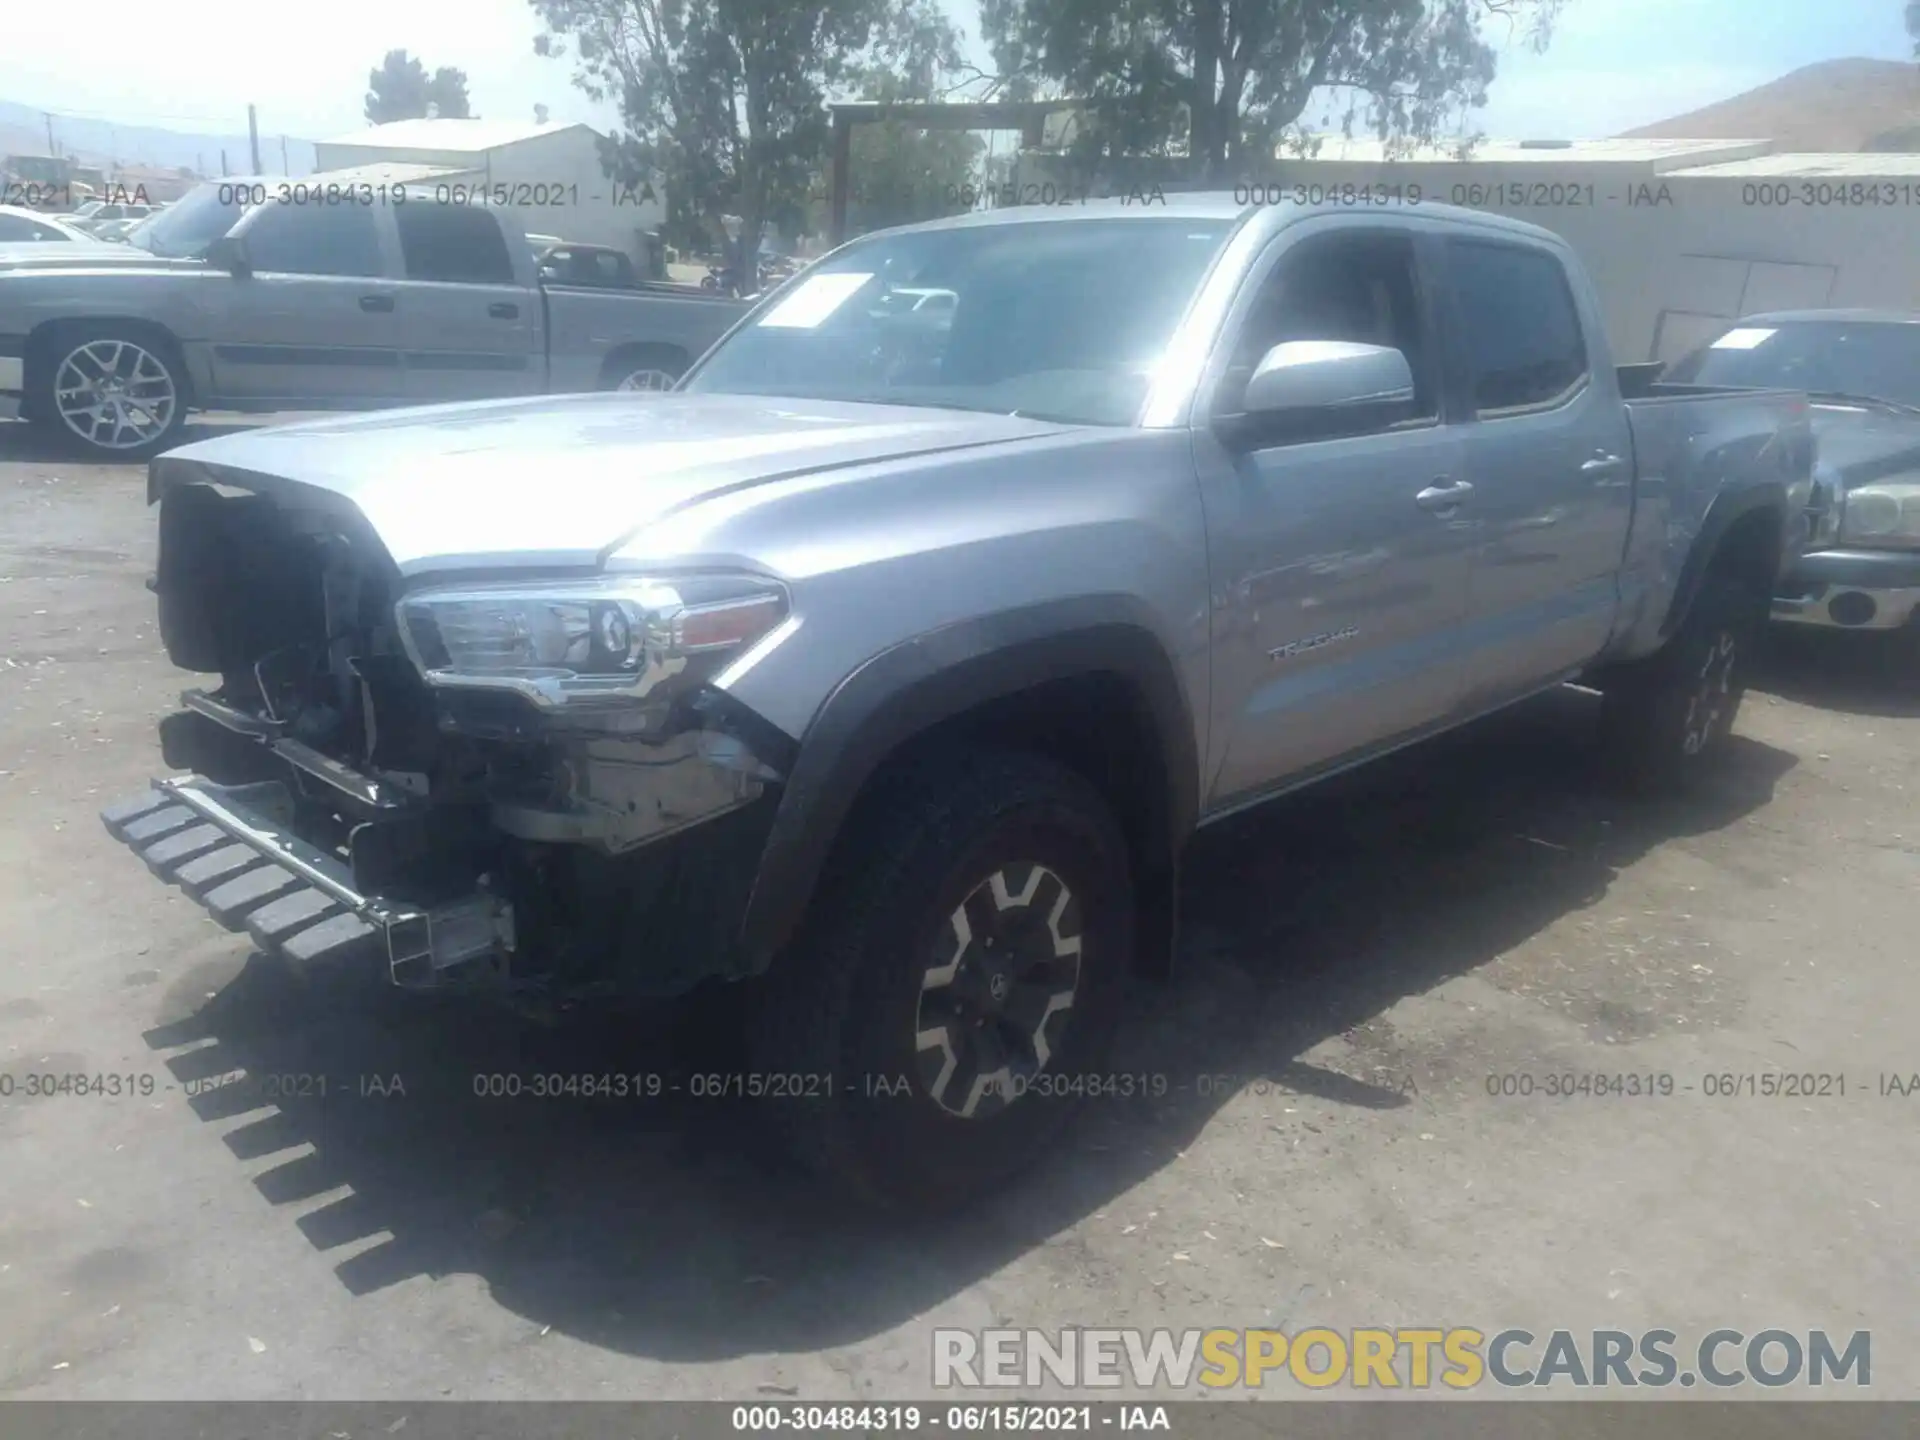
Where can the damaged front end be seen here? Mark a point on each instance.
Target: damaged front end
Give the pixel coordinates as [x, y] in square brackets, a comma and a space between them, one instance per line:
[537, 785]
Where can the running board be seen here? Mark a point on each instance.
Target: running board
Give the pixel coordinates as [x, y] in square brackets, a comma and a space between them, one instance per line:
[231, 848]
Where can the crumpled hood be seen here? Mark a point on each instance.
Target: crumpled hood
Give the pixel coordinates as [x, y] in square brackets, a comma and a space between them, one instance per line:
[561, 481]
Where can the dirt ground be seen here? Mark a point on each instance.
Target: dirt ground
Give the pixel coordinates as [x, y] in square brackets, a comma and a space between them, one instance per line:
[1357, 964]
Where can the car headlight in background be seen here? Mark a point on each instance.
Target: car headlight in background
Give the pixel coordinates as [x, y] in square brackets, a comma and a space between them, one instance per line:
[612, 640]
[1887, 512]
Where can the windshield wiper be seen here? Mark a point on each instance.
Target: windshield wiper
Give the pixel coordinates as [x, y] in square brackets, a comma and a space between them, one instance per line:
[1880, 402]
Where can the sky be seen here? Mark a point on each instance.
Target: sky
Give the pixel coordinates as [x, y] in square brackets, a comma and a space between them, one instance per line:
[195, 64]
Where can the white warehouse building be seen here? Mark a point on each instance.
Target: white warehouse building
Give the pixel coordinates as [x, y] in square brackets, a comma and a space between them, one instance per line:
[1680, 236]
[548, 175]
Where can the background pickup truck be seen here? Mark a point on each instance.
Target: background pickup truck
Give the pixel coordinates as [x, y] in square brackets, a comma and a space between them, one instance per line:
[257, 295]
[886, 667]
[1861, 569]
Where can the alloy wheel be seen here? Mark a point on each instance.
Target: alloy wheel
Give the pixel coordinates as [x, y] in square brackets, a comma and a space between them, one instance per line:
[647, 380]
[999, 992]
[1712, 693]
[115, 394]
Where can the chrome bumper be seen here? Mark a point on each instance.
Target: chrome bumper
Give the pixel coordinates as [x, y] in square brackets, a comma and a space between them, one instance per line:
[1850, 607]
[230, 847]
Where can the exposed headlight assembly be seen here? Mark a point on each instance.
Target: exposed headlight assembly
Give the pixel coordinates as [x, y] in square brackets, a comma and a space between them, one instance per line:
[613, 640]
[1885, 513]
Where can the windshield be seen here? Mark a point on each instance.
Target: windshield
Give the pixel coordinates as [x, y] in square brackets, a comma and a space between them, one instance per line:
[186, 229]
[1874, 359]
[92, 207]
[1060, 320]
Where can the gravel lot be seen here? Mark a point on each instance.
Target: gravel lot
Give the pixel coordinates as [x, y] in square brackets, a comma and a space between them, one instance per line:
[1357, 964]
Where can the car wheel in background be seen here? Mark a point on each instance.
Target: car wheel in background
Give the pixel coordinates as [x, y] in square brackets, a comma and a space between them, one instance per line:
[113, 393]
[648, 367]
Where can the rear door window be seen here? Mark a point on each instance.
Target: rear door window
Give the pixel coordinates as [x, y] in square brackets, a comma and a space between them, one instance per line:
[458, 244]
[1518, 325]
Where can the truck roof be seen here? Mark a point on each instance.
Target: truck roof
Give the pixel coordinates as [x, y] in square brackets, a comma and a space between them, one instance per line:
[1163, 204]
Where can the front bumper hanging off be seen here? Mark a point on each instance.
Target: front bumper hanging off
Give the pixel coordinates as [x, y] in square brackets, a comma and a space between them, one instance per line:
[231, 848]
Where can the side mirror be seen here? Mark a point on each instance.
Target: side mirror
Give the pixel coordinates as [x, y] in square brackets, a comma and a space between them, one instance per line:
[1319, 375]
[229, 252]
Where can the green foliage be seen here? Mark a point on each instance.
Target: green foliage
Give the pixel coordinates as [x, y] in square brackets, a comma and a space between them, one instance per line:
[1224, 82]
[1913, 24]
[724, 101]
[401, 89]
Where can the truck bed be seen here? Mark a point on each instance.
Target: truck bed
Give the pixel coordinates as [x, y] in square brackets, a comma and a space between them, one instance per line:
[1687, 439]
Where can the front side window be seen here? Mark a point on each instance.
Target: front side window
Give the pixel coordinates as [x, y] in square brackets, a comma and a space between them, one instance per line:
[315, 240]
[1348, 286]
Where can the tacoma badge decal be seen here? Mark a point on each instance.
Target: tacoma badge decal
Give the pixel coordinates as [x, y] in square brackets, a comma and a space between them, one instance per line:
[1312, 642]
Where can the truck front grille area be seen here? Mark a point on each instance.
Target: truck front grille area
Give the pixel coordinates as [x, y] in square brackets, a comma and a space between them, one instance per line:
[235, 851]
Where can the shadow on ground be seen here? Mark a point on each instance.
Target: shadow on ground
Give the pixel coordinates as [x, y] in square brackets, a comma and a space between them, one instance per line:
[648, 1228]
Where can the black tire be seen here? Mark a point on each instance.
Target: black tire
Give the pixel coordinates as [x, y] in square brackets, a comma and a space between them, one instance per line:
[842, 1012]
[1665, 720]
[69, 343]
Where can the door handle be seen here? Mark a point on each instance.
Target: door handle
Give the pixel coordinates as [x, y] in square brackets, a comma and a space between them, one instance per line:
[1601, 465]
[504, 310]
[380, 304]
[1443, 495]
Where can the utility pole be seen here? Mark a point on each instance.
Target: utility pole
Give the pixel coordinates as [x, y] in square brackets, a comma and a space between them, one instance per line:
[253, 137]
[52, 149]
[224, 172]
[285, 167]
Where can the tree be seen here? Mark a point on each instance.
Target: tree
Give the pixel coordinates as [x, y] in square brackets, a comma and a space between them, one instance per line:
[1913, 25]
[1224, 81]
[725, 100]
[401, 89]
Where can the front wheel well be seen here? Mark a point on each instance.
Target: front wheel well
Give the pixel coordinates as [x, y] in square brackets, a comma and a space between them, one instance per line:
[1749, 552]
[1099, 726]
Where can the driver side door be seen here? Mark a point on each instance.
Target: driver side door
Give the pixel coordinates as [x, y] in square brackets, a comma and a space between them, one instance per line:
[1340, 585]
[314, 324]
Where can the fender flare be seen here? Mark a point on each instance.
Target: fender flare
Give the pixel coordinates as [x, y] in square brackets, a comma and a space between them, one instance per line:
[904, 691]
[1727, 509]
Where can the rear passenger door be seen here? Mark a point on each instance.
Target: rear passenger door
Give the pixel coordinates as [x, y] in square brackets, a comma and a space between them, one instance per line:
[313, 324]
[472, 328]
[1549, 458]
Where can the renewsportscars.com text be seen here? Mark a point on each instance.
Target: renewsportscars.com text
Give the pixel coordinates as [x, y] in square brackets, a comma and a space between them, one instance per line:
[1456, 1358]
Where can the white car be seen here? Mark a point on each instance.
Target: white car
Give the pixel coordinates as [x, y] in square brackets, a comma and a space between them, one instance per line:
[20, 226]
[95, 214]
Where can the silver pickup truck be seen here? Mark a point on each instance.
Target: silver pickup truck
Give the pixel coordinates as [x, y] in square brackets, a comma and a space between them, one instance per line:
[260, 295]
[887, 666]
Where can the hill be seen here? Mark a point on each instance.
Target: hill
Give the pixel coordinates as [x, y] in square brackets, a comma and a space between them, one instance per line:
[23, 131]
[1838, 105]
